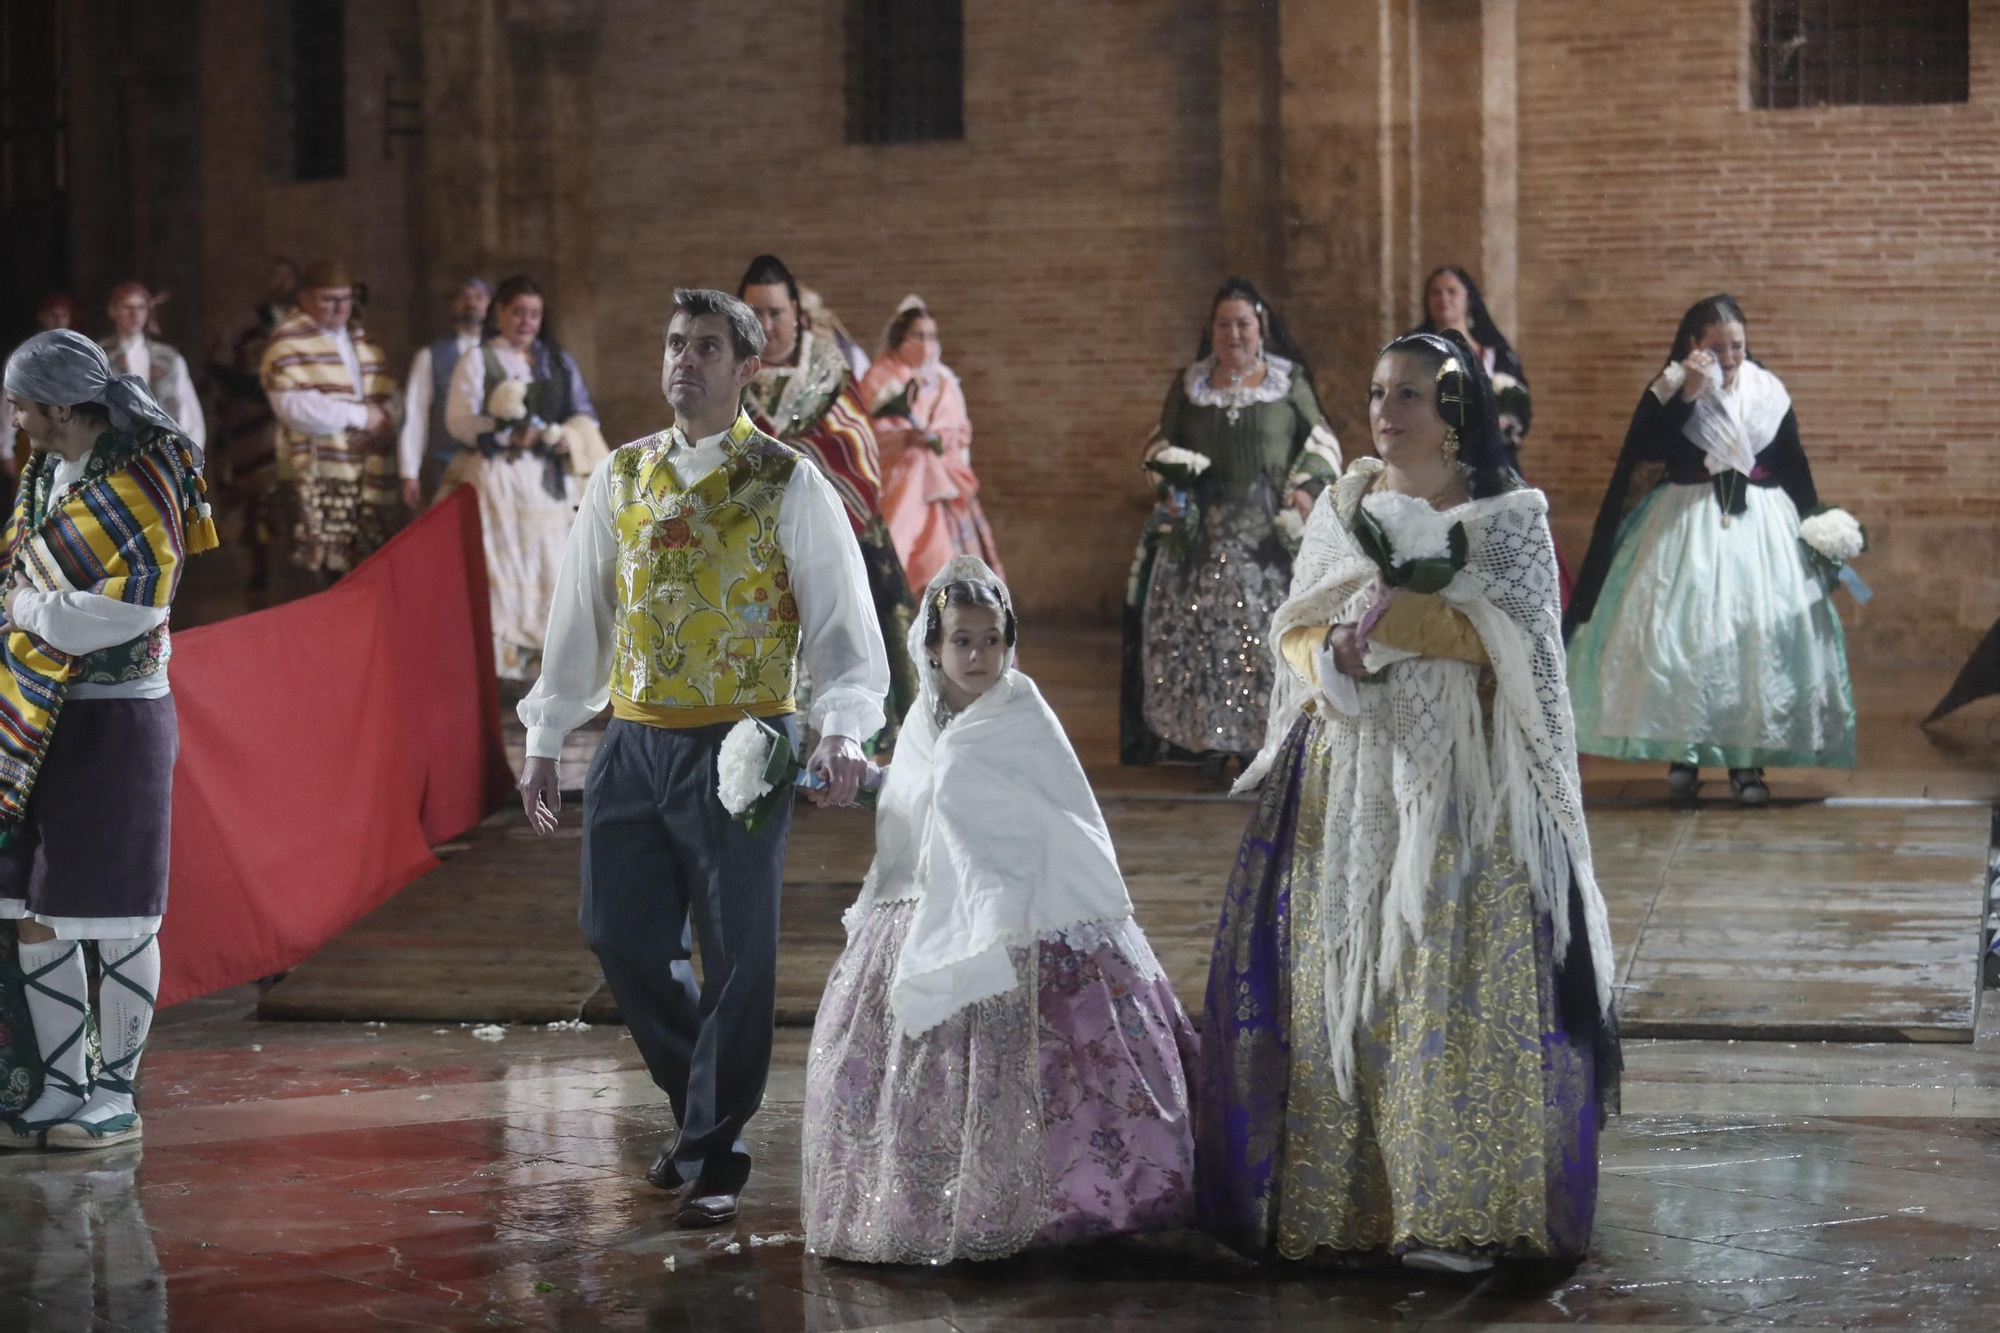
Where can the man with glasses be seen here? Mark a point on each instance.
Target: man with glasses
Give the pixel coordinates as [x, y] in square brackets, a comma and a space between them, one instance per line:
[335, 406]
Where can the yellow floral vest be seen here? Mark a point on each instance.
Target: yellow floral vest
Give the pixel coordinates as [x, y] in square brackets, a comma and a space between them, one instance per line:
[708, 629]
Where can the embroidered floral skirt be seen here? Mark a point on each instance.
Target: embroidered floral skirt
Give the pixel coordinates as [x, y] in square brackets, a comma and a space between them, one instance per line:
[1051, 1115]
[1205, 668]
[1474, 1120]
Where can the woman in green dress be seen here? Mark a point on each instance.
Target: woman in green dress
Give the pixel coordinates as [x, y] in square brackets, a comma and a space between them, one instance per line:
[1216, 557]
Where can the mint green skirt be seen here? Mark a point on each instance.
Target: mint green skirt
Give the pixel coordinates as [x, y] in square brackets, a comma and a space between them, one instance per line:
[1711, 645]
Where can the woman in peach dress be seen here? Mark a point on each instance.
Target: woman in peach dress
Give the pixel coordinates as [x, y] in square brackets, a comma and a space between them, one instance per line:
[930, 496]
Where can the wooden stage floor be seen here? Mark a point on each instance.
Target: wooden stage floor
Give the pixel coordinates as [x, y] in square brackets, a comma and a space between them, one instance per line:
[1848, 911]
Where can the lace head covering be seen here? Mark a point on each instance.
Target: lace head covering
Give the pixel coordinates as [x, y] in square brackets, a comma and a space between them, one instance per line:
[959, 569]
[887, 342]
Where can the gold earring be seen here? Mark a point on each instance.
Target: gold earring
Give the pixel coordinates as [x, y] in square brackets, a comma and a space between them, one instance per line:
[1451, 446]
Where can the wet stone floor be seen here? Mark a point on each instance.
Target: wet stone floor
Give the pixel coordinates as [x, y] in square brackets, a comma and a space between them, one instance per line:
[306, 1176]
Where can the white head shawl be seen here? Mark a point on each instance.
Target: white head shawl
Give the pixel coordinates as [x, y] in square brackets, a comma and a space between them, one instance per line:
[903, 307]
[933, 367]
[1733, 425]
[62, 368]
[991, 827]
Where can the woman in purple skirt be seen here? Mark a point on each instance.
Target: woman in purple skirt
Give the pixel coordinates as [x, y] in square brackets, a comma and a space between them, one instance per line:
[997, 1061]
[1409, 1041]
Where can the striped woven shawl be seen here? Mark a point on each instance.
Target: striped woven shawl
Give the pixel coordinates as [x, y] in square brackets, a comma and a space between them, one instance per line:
[120, 532]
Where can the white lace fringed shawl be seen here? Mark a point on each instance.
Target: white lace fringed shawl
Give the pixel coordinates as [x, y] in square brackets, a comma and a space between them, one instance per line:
[1418, 748]
[990, 825]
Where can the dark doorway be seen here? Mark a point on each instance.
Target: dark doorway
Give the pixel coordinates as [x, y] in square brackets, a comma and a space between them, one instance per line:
[34, 171]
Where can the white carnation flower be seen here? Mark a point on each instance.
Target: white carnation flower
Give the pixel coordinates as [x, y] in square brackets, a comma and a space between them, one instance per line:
[1292, 523]
[1834, 534]
[508, 401]
[739, 776]
[1175, 456]
[552, 435]
[1414, 529]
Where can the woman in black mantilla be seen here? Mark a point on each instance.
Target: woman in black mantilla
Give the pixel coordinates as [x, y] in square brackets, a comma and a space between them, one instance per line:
[1196, 670]
[1700, 634]
[1452, 300]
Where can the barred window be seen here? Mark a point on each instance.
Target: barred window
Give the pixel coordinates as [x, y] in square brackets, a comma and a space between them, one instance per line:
[1858, 52]
[905, 70]
[309, 89]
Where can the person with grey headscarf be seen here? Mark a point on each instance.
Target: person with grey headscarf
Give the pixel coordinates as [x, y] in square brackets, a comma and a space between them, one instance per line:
[111, 503]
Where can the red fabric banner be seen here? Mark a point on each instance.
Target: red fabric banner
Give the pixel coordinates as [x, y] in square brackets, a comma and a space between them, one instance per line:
[326, 745]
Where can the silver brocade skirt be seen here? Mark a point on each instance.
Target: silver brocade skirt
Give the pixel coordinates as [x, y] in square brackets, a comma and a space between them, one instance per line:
[1205, 665]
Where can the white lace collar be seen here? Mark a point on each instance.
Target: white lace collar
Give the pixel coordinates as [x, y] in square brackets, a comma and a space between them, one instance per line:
[1277, 383]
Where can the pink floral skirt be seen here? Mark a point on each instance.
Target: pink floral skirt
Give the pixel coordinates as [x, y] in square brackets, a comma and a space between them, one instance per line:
[1052, 1115]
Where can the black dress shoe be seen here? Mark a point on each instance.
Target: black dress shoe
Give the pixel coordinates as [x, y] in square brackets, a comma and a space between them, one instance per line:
[1747, 785]
[1683, 781]
[663, 1172]
[705, 1206]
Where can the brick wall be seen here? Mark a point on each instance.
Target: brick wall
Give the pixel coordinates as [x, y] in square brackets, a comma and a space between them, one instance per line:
[1068, 245]
[1070, 242]
[1860, 241]
[366, 219]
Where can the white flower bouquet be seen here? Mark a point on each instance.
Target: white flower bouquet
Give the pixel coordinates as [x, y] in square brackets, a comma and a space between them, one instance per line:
[1290, 525]
[1176, 471]
[1414, 545]
[757, 767]
[1832, 537]
[516, 403]
[508, 403]
[1833, 534]
[1510, 393]
[1516, 407]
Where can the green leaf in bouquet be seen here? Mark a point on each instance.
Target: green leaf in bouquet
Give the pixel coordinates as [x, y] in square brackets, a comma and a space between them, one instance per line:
[781, 768]
[1374, 542]
[896, 406]
[1182, 537]
[1174, 476]
[1425, 576]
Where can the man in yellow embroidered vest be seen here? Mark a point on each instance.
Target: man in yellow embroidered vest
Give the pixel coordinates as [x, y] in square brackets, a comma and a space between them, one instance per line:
[705, 562]
[111, 502]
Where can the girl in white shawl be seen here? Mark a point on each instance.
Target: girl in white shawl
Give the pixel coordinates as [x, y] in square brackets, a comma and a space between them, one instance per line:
[1409, 1042]
[1700, 634]
[997, 1061]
